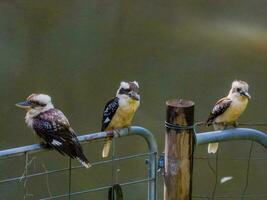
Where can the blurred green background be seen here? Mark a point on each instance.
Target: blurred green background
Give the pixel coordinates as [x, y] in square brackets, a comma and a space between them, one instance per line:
[79, 51]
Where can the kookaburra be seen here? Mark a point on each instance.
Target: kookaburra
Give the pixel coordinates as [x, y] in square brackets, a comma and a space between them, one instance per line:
[51, 125]
[119, 111]
[228, 109]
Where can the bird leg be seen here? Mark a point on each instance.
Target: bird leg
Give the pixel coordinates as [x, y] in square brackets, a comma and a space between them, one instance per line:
[45, 145]
[235, 124]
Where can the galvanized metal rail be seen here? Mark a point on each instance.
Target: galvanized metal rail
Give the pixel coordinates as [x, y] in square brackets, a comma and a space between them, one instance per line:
[134, 130]
[232, 134]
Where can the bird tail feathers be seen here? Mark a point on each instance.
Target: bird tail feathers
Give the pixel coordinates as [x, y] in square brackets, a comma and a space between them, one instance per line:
[106, 149]
[213, 147]
[82, 158]
[84, 162]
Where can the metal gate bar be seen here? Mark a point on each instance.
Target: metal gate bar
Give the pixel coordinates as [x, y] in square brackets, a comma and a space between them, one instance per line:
[134, 130]
[232, 134]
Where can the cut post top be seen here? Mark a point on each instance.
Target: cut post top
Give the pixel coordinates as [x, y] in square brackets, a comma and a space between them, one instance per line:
[180, 112]
[179, 103]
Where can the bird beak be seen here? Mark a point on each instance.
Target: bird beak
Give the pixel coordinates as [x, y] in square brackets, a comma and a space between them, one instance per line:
[246, 94]
[24, 105]
[134, 95]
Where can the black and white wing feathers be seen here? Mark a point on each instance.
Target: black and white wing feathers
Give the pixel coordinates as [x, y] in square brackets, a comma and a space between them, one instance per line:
[220, 107]
[109, 111]
[53, 127]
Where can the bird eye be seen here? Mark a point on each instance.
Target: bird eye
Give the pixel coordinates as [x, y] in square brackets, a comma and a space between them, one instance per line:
[41, 104]
[35, 103]
[124, 91]
[238, 89]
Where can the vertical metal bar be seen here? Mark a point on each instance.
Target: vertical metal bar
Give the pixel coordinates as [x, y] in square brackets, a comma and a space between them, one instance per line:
[248, 170]
[216, 176]
[25, 175]
[152, 192]
[112, 168]
[69, 179]
[153, 149]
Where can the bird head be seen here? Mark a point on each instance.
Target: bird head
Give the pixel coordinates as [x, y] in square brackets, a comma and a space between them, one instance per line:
[36, 102]
[129, 90]
[240, 89]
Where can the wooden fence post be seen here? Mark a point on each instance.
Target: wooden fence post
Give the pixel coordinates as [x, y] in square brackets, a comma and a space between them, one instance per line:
[179, 146]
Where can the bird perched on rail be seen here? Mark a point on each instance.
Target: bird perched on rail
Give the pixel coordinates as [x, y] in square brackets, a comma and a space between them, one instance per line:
[51, 125]
[228, 109]
[119, 111]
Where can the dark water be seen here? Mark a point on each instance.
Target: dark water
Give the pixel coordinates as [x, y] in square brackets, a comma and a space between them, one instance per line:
[79, 51]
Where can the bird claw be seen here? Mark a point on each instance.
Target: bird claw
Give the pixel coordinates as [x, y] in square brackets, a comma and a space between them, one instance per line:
[235, 124]
[45, 145]
[226, 124]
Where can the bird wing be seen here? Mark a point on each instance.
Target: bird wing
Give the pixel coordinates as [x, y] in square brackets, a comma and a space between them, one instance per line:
[109, 111]
[54, 128]
[219, 108]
